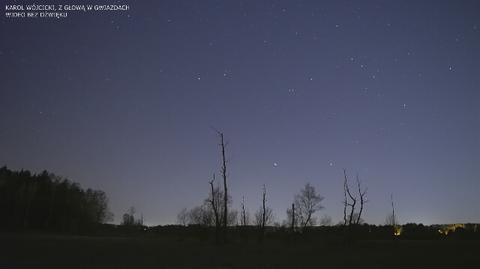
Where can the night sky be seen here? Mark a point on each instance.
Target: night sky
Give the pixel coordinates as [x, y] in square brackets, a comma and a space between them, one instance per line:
[125, 102]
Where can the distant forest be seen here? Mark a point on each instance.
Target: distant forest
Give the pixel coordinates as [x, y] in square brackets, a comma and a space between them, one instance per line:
[47, 201]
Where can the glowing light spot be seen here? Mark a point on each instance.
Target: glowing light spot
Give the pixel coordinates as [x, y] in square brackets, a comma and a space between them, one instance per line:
[397, 230]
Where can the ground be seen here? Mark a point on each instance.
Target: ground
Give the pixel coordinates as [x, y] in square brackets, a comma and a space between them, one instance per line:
[61, 251]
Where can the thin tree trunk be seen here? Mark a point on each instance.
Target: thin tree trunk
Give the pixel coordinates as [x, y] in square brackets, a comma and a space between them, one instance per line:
[225, 189]
[345, 202]
[362, 200]
[293, 217]
[213, 203]
[264, 211]
[244, 213]
[264, 208]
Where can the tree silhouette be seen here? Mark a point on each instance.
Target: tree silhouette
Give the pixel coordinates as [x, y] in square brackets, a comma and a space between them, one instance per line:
[182, 217]
[350, 201]
[245, 218]
[264, 215]
[215, 203]
[47, 201]
[392, 220]
[225, 189]
[128, 218]
[307, 202]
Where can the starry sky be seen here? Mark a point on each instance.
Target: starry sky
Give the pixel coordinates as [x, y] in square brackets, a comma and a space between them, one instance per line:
[125, 102]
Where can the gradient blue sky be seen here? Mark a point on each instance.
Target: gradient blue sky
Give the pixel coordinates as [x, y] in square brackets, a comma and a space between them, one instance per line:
[124, 102]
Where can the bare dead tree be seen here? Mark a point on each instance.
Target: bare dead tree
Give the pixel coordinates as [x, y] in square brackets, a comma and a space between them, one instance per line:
[244, 217]
[182, 217]
[345, 200]
[293, 217]
[223, 171]
[363, 200]
[353, 200]
[213, 200]
[214, 203]
[394, 220]
[264, 216]
[264, 200]
[352, 219]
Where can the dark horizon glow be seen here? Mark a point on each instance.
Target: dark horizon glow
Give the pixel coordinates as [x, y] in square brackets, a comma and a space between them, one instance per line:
[301, 89]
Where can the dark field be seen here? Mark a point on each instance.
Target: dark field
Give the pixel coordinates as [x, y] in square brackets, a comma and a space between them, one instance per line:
[56, 251]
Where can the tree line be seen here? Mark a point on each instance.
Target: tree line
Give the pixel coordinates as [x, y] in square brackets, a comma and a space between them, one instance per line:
[215, 211]
[48, 201]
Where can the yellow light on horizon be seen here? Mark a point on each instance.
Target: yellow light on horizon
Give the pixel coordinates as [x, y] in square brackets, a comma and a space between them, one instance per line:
[397, 230]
